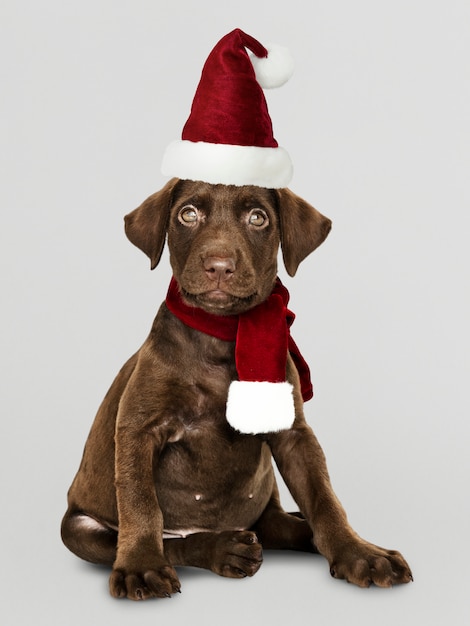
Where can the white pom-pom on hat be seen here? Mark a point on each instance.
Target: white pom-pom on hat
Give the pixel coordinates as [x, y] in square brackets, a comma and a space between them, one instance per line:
[275, 69]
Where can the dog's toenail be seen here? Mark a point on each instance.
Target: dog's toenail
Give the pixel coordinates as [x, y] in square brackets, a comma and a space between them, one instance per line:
[197, 497]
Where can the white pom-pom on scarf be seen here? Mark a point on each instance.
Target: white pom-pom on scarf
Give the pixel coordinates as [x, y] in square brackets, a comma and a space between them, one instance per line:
[260, 407]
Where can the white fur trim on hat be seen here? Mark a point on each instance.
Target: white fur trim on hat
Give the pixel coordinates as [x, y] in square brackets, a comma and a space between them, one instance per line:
[260, 407]
[228, 164]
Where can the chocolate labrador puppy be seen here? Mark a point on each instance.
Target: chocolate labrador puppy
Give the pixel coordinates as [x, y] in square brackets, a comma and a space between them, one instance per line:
[165, 480]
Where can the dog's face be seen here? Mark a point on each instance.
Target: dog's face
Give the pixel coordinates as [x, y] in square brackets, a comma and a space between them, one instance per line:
[224, 240]
[223, 244]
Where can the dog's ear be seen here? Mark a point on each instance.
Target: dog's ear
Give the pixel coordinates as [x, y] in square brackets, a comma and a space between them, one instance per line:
[146, 226]
[303, 228]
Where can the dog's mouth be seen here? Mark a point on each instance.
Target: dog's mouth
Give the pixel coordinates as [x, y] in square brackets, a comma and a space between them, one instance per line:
[217, 295]
[219, 301]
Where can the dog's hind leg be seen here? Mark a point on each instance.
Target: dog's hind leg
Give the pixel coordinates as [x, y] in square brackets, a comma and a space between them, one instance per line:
[231, 553]
[278, 530]
[235, 554]
[89, 539]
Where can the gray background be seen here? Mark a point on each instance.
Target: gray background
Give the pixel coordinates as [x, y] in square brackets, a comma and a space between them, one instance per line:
[376, 119]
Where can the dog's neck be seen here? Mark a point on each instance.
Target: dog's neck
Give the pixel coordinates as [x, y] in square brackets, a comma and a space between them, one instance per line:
[262, 339]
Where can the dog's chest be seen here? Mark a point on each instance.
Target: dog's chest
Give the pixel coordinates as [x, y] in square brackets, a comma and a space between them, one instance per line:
[196, 369]
[208, 475]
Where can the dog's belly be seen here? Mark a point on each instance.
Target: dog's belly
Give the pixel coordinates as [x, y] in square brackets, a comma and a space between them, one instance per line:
[226, 488]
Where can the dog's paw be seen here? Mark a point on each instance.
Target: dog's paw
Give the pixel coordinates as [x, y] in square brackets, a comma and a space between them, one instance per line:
[140, 585]
[364, 564]
[236, 554]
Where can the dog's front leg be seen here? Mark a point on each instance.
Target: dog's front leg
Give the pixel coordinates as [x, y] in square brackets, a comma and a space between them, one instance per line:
[140, 570]
[302, 465]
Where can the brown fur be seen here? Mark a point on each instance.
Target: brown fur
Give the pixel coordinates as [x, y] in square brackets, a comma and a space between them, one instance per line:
[161, 455]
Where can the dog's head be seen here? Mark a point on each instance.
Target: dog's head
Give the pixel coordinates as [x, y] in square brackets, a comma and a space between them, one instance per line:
[224, 239]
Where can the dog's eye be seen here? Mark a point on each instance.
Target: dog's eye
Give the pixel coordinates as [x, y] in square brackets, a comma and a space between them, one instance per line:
[258, 218]
[188, 215]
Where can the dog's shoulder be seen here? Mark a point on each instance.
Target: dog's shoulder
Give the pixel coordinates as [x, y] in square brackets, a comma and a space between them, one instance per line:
[171, 340]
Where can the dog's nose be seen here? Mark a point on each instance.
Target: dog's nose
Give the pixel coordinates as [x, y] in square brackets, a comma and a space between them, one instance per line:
[219, 268]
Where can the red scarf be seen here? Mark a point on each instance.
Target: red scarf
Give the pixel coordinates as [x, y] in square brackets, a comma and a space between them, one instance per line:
[261, 334]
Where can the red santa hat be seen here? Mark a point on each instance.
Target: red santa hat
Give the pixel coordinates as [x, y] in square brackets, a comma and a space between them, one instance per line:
[228, 137]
